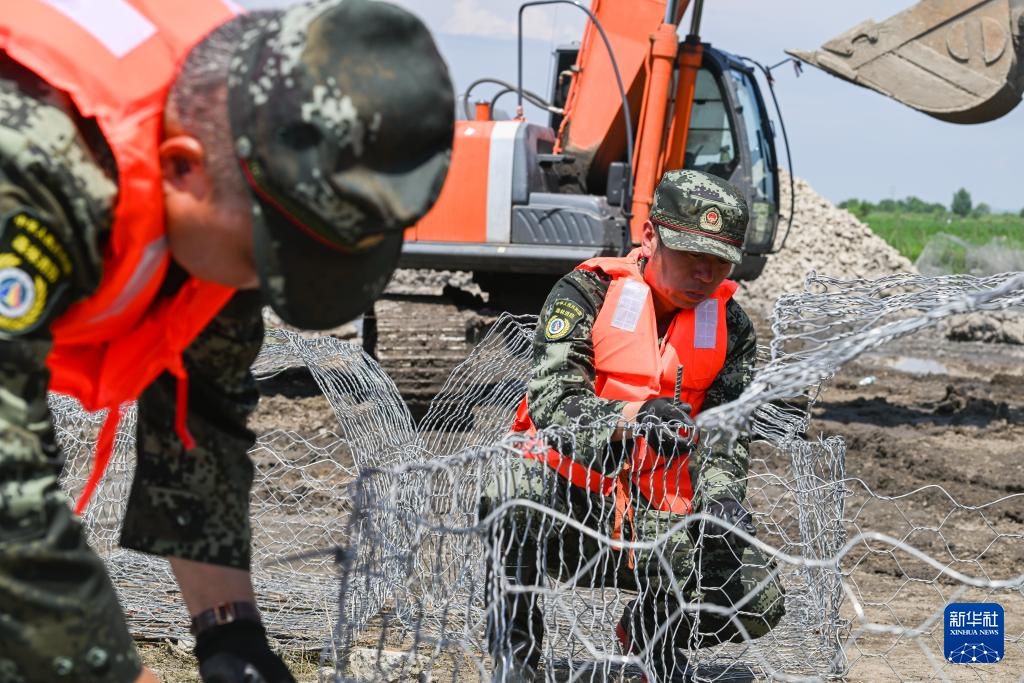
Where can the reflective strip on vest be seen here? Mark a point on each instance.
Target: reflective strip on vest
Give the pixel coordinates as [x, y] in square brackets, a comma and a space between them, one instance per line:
[145, 270]
[115, 24]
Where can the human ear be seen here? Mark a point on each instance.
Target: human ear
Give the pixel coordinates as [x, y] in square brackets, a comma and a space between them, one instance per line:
[183, 166]
[648, 240]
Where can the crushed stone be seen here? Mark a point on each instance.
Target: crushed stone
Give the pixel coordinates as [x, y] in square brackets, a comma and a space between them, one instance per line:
[825, 239]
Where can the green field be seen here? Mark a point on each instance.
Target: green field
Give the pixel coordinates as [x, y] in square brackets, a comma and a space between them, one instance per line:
[909, 232]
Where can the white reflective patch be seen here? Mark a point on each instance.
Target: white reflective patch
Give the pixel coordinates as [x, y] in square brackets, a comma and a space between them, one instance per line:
[117, 25]
[705, 324]
[143, 273]
[630, 306]
[234, 7]
[499, 181]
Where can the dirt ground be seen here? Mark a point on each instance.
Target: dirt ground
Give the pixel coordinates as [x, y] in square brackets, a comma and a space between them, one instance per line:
[934, 431]
[940, 426]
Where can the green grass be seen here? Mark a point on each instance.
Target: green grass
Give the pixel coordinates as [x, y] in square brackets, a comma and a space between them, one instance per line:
[909, 232]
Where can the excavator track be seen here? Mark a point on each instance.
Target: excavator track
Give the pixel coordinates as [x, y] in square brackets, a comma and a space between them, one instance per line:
[420, 338]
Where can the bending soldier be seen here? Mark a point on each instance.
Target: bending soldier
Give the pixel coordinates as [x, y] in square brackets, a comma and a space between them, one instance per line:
[166, 168]
[611, 340]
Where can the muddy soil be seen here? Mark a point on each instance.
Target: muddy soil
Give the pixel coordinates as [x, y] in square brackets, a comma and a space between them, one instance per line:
[938, 426]
[934, 430]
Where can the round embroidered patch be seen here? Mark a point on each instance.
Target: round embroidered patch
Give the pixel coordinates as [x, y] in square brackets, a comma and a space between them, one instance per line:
[17, 292]
[711, 220]
[557, 328]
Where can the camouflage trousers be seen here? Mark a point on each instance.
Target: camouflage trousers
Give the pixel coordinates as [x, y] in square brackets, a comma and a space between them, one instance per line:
[726, 597]
[60, 619]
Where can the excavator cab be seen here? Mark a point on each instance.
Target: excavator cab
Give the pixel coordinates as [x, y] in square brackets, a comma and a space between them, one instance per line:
[730, 136]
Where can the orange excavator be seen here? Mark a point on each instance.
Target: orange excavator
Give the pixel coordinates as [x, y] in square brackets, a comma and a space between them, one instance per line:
[634, 100]
[524, 203]
[629, 102]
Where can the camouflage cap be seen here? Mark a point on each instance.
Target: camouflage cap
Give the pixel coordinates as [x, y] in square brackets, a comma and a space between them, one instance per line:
[696, 211]
[342, 113]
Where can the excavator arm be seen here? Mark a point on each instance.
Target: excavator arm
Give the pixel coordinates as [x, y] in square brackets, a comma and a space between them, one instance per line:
[956, 60]
[658, 76]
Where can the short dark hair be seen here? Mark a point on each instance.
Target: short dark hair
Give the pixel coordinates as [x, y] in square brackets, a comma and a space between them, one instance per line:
[198, 99]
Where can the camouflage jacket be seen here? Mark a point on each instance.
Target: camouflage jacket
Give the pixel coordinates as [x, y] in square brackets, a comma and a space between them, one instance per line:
[561, 390]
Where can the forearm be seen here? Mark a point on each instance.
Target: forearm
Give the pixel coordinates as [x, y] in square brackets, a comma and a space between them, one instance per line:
[594, 421]
[195, 505]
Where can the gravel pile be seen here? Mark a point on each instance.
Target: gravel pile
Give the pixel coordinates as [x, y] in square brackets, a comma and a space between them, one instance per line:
[825, 239]
[417, 281]
[996, 327]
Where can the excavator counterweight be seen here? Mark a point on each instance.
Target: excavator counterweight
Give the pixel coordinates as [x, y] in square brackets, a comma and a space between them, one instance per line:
[956, 60]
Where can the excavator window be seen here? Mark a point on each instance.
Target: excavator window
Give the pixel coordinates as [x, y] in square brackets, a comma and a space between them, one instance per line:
[711, 142]
[761, 151]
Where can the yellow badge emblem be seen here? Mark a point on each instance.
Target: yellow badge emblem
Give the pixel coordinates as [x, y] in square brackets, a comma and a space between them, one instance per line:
[557, 328]
[563, 316]
[22, 296]
[711, 220]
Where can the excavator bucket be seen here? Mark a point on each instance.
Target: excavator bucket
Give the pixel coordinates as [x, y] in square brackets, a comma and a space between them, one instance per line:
[956, 60]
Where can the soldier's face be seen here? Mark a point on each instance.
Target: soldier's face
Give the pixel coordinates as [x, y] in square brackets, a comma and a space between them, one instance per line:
[680, 279]
[209, 234]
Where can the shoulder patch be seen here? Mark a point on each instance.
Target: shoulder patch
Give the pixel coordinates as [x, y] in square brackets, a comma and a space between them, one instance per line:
[562, 319]
[34, 263]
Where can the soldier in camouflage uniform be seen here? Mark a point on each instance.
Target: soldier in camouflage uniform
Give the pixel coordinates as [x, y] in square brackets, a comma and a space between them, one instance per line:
[684, 257]
[289, 94]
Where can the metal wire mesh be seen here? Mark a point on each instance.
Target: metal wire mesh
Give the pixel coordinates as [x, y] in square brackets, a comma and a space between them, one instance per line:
[409, 518]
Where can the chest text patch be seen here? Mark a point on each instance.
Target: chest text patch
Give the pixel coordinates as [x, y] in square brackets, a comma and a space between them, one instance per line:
[562, 319]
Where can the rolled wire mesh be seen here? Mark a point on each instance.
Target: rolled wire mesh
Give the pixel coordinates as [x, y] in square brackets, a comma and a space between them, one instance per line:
[405, 516]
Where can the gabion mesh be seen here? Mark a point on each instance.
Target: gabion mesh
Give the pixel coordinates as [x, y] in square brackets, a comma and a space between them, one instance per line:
[369, 540]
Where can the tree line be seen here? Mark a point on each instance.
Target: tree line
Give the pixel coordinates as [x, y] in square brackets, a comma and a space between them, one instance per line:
[961, 205]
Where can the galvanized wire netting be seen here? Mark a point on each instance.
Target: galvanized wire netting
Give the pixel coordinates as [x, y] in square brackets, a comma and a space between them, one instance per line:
[412, 517]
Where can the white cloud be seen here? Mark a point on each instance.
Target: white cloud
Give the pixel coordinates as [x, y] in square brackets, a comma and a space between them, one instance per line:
[483, 18]
[471, 17]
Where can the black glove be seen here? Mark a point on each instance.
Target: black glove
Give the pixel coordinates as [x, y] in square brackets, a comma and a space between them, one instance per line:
[238, 653]
[667, 426]
[732, 512]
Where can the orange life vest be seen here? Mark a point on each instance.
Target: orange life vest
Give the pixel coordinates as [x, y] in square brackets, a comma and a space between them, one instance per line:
[117, 60]
[630, 365]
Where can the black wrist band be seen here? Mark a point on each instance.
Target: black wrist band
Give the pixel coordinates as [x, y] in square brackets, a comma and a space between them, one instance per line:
[225, 613]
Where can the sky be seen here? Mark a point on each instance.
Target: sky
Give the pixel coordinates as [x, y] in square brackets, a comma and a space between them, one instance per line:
[845, 140]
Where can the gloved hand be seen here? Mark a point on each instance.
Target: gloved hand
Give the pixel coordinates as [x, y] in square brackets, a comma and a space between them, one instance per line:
[732, 512]
[667, 426]
[238, 653]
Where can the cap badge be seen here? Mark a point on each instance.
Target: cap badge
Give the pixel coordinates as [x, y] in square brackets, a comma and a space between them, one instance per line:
[711, 220]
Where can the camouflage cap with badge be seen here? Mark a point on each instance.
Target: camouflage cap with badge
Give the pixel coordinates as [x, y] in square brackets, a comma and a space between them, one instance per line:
[699, 212]
[342, 113]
